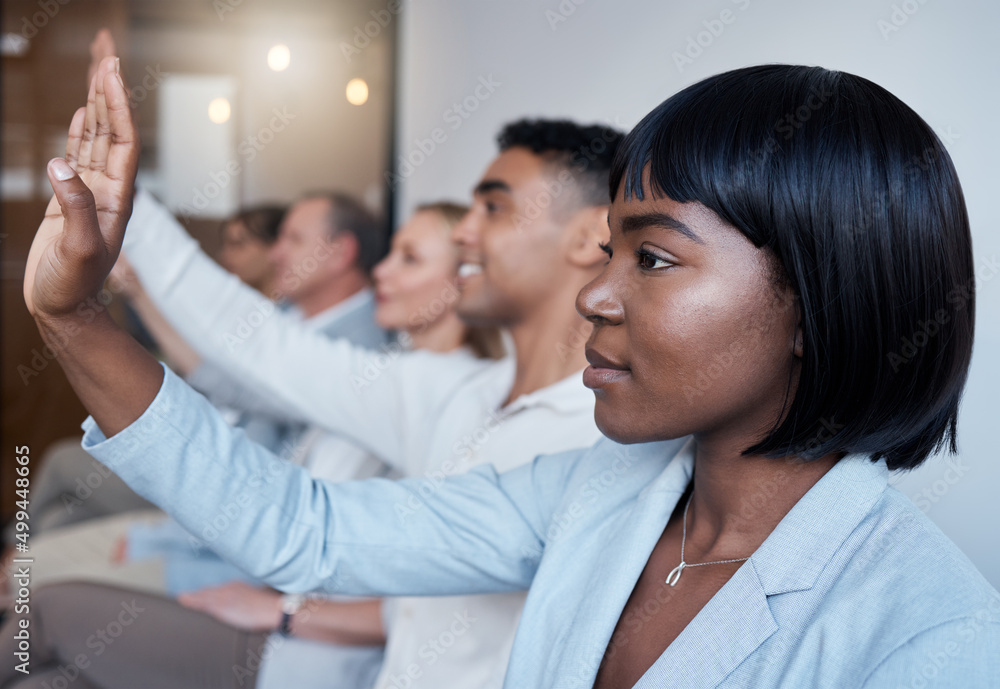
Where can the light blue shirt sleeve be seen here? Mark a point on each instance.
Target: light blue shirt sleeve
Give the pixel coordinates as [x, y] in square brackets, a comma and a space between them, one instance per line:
[155, 540]
[467, 534]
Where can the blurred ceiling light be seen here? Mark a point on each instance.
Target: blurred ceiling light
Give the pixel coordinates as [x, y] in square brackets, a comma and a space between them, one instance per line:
[279, 57]
[357, 92]
[14, 45]
[219, 110]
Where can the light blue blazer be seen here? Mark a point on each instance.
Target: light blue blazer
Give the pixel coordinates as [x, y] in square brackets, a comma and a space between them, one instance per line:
[854, 588]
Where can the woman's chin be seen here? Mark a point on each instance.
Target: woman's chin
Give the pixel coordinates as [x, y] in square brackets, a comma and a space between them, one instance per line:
[385, 319]
[628, 428]
[615, 426]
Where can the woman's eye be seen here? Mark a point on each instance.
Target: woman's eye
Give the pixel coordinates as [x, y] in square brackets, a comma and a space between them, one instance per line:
[650, 261]
[606, 248]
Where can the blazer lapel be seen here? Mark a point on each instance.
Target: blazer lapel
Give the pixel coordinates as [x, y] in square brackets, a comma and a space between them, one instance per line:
[738, 619]
[628, 541]
[731, 626]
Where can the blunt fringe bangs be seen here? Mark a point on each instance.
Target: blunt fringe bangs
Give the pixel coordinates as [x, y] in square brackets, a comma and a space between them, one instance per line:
[859, 202]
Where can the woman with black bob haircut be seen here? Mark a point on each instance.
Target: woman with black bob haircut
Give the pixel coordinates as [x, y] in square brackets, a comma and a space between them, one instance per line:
[786, 316]
[791, 286]
[856, 199]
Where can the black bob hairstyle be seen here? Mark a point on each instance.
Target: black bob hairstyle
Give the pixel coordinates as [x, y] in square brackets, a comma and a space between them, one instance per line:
[859, 202]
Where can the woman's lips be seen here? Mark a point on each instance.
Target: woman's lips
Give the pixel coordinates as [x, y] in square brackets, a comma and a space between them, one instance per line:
[603, 370]
[599, 377]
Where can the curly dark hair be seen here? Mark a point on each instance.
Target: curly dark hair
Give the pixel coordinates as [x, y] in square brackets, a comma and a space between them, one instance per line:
[586, 151]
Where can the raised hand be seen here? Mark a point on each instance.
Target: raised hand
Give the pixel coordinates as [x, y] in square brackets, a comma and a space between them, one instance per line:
[78, 241]
[74, 249]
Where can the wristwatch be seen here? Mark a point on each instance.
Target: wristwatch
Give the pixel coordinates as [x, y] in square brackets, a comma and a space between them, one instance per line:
[291, 603]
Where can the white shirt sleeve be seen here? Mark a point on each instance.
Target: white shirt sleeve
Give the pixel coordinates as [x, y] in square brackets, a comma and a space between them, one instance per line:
[369, 396]
[271, 519]
[224, 390]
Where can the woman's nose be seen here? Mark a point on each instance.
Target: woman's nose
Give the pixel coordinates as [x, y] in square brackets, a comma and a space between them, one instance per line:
[599, 301]
[380, 269]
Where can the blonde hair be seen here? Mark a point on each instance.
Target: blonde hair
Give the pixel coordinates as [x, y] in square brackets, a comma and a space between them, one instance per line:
[484, 341]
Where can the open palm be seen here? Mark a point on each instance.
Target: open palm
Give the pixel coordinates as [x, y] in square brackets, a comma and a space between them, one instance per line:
[80, 237]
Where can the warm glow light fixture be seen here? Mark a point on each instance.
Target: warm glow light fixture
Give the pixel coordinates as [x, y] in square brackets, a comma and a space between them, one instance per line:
[357, 92]
[219, 110]
[279, 57]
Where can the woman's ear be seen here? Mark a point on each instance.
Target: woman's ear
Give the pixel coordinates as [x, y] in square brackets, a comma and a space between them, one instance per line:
[588, 229]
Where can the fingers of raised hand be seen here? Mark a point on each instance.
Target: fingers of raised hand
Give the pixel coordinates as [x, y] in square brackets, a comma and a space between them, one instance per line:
[113, 182]
[123, 138]
[89, 125]
[75, 138]
[102, 126]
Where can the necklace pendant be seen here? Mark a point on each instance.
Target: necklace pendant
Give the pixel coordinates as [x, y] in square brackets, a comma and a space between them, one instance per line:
[675, 574]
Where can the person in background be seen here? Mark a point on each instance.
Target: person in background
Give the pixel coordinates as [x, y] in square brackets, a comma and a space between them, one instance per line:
[247, 239]
[336, 643]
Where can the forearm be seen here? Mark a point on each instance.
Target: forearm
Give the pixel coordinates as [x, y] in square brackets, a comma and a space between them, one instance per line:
[368, 538]
[115, 378]
[351, 623]
[175, 349]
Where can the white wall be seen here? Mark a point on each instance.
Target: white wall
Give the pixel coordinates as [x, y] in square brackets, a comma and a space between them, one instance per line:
[291, 131]
[192, 147]
[612, 61]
